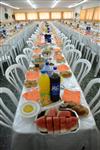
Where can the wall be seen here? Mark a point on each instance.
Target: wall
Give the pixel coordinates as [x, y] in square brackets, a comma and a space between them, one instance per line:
[87, 5]
[4, 10]
[42, 10]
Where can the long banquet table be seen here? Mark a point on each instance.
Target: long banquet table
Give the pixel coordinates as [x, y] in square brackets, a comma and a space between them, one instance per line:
[27, 137]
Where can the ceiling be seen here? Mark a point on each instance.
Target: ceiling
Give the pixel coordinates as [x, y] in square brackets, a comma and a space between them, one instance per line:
[23, 4]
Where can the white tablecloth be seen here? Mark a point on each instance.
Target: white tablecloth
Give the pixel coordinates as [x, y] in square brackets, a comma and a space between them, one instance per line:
[27, 137]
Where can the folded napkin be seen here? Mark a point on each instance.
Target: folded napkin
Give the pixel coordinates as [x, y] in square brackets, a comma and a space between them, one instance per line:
[33, 95]
[37, 51]
[59, 57]
[32, 75]
[57, 49]
[62, 68]
[71, 96]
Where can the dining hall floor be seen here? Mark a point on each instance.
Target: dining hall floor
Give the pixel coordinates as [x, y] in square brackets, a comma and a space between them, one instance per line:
[5, 134]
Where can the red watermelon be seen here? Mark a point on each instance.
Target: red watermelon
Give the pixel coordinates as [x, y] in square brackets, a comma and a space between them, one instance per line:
[49, 122]
[66, 114]
[52, 112]
[41, 123]
[56, 123]
[62, 124]
[68, 123]
[74, 121]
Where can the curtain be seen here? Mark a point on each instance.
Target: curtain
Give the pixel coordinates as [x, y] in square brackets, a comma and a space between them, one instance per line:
[89, 14]
[96, 16]
[82, 14]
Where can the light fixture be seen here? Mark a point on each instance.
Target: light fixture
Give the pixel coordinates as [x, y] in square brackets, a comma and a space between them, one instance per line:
[32, 5]
[9, 5]
[55, 3]
[74, 5]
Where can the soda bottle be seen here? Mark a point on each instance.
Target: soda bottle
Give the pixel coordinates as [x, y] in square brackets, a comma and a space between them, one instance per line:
[44, 87]
[55, 86]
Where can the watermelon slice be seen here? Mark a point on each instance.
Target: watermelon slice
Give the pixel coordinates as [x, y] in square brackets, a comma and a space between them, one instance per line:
[49, 122]
[41, 124]
[56, 123]
[71, 123]
[66, 114]
[52, 112]
[62, 124]
[68, 123]
[74, 121]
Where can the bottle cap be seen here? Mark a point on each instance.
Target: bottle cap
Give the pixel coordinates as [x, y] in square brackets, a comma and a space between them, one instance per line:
[43, 71]
[55, 68]
[47, 63]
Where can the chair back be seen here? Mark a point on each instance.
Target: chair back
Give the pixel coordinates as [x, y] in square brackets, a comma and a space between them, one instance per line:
[6, 115]
[28, 53]
[83, 67]
[23, 61]
[14, 74]
[72, 56]
[94, 103]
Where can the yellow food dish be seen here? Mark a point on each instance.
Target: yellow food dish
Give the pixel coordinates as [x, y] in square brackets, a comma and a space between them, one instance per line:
[28, 109]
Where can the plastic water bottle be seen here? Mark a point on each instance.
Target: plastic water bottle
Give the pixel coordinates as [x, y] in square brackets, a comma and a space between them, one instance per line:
[47, 68]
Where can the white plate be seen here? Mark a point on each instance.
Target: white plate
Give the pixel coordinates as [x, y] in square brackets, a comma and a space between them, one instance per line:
[36, 109]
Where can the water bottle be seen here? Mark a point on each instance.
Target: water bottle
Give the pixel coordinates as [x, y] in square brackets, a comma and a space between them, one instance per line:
[47, 68]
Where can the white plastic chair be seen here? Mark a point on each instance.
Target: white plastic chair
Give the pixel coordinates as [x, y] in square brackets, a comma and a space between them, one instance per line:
[68, 47]
[96, 108]
[66, 42]
[30, 44]
[89, 54]
[28, 53]
[72, 56]
[5, 56]
[23, 61]
[14, 77]
[5, 112]
[85, 67]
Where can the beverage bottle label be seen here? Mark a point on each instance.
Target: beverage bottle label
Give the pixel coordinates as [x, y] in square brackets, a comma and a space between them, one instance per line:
[55, 90]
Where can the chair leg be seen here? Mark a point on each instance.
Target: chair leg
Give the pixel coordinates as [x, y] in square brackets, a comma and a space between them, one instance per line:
[2, 70]
[97, 68]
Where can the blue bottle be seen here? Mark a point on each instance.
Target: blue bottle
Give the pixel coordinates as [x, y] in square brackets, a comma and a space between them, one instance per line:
[55, 86]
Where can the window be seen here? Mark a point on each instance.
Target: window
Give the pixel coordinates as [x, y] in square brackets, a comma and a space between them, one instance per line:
[67, 15]
[56, 15]
[32, 16]
[44, 15]
[20, 16]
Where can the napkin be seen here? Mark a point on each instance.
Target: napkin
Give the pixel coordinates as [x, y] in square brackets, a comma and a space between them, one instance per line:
[32, 75]
[57, 49]
[62, 68]
[37, 51]
[33, 95]
[71, 96]
[59, 57]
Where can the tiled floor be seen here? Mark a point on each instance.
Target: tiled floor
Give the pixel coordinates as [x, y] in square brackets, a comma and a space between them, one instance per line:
[5, 134]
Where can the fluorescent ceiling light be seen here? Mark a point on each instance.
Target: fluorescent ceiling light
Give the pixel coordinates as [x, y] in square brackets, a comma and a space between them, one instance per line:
[55, 3]
[9, 5]
[32, 5]
[74, 5]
